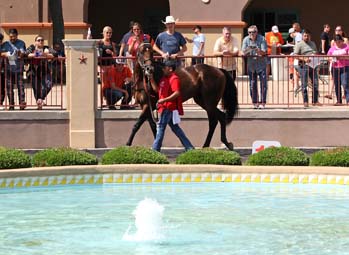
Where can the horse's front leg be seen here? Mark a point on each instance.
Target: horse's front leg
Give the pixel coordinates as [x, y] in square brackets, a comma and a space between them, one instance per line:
[222, 122]
[151, 122]
[142, 117]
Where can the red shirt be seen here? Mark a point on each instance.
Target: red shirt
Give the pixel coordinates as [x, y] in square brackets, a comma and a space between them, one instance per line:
[112, 75]
[167, 86]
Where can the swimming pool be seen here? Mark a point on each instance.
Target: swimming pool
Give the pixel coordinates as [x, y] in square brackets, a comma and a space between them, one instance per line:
[205, 218]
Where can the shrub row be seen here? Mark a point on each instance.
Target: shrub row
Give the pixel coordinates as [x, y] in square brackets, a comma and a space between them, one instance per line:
[274, 156]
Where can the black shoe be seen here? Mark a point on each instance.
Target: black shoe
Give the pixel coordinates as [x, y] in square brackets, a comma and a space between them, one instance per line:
[11, 108]
[22, 105]
[112, 107]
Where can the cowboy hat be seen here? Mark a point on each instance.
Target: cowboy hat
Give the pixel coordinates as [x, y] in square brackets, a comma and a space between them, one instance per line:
[169, 20]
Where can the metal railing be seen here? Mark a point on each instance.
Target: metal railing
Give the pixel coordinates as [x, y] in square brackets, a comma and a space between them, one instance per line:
[22, 85]
[284, 81]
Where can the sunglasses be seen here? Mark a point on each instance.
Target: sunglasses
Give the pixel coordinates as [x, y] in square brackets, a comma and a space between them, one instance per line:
[252, 32]
[40, 40]
[108, 32]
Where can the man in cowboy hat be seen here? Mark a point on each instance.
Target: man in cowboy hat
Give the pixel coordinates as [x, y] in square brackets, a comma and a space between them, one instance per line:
[170, 44]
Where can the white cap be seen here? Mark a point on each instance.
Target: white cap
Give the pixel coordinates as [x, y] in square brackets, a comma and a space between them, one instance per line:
[120, 61]
[291, 30]
[169, 19]
[275, 29]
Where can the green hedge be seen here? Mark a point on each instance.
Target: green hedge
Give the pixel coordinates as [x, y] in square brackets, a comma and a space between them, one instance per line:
[133, 155]
[63, 157]
[278, 156]
[209, 156]
[331, 157]
[12, 158]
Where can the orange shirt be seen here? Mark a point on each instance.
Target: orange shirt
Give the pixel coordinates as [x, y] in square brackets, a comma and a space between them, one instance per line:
[112, 75]
[274, 38]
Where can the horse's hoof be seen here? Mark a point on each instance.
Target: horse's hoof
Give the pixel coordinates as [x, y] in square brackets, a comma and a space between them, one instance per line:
[230, 146]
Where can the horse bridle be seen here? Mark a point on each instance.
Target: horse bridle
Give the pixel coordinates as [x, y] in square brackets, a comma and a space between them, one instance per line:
[147, 69]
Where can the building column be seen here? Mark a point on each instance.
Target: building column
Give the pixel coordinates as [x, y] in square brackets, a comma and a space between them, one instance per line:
[81, 63]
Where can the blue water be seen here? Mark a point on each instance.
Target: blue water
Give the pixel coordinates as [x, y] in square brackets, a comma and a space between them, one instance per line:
[203, 218]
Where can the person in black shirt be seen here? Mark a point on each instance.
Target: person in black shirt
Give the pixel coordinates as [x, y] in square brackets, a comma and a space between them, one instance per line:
[325, 39]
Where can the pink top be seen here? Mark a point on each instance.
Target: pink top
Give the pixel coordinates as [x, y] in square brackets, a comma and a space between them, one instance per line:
[339, 62]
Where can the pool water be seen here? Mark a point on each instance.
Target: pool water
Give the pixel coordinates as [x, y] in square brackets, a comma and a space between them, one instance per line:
[200, 218]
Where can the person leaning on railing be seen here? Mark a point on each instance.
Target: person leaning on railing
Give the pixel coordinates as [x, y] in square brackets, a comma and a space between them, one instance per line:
[198, 42]
[40, 69]
[340, 68]
[106, 51]
[226, 48]
[170, 43]
[136, 39]
[14, 51]
[307, 67]
[254, 47]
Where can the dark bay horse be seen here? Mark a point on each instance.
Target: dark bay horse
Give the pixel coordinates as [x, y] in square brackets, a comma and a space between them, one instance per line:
[207, 85]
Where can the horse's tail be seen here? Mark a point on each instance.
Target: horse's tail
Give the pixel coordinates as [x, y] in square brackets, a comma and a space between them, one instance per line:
[230, 97]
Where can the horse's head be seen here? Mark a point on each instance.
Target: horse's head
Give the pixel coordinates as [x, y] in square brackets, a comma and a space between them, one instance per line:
[145, 58]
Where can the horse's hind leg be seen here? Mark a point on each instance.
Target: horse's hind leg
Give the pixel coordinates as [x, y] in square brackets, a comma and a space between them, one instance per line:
[136, 127]
[222, 121]
[212, 124]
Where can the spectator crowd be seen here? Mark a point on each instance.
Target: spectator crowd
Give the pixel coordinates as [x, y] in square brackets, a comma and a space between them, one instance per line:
[116, 61]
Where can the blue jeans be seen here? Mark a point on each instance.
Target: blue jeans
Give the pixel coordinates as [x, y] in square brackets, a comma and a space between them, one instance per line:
[263, 86]
[307, 72]
[340, 77]
[112, 95]
[166, 118]
[15, 78]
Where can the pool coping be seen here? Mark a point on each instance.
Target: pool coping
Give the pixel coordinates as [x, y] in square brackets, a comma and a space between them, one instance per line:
[138, 174]
[171, 168]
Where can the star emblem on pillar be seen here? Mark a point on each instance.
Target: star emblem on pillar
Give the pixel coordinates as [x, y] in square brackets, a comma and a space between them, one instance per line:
[82, 59]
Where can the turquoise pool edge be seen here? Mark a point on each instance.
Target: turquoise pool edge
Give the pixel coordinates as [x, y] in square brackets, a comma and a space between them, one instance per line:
[145, 173]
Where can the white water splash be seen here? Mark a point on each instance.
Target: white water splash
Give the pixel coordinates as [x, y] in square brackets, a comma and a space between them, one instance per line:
[148, 222]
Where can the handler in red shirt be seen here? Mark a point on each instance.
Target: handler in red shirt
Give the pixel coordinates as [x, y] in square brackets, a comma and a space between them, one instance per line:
[169, 106]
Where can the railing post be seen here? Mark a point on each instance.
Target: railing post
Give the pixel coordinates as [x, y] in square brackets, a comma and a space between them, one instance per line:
[81, 63]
